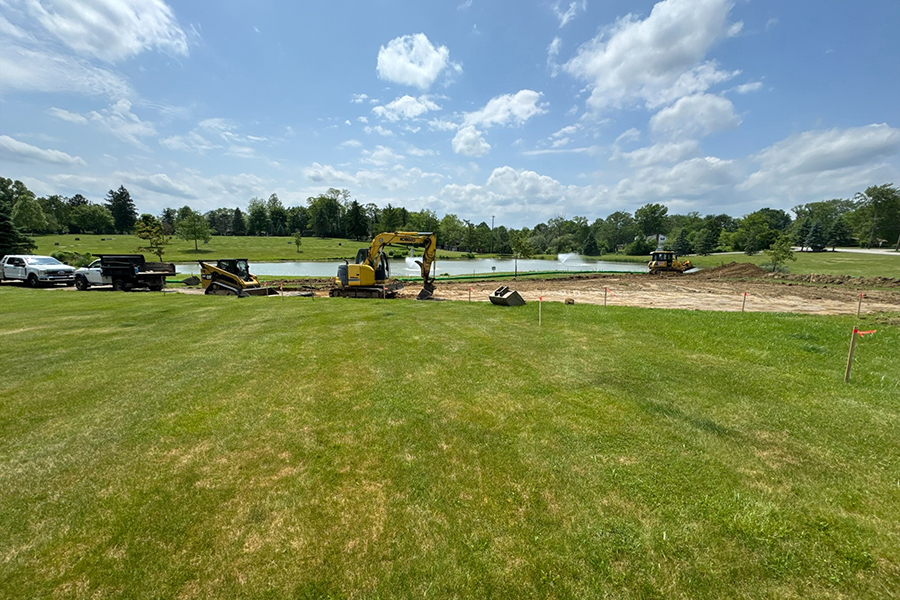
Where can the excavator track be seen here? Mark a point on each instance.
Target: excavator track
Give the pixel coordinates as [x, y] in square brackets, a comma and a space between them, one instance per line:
[387, 292]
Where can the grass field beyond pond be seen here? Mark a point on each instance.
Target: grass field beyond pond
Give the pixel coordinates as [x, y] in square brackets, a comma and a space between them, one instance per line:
[166, 445]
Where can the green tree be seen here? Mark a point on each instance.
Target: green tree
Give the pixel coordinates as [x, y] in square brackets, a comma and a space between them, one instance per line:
[122, 209]
[220, 220]
[151, 230]
[520, 243]
[617, 230]
[278, 216]
[780, 252]
[12, 241]
[193, 228]
[57, 212]
[590, 247]
[92, 218]
[298, 219]
[355, 225]
[817, 237]
[325, 212]
[682, 244]
[801, 232]
[840, 233]
[77, 200]
[298, 240]
[877, 216]
[640, 246]
[451, 231]
[27, 214]
[238, 223]
[167, 219]
[651, 219]
[706, 241]
[257, 217]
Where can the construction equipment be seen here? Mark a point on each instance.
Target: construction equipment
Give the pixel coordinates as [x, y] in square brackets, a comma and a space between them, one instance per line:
[231, 277]
[369, 276]
[503, 296]
[666, 261]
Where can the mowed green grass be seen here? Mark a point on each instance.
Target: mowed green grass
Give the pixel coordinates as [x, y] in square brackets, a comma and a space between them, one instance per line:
[164, 445]
[178, 250]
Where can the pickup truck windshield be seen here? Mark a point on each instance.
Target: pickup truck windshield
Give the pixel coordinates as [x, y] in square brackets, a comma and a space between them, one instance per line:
[42, 260]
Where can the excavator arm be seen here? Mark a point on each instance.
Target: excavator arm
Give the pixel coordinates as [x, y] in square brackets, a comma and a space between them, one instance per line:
[415, 239]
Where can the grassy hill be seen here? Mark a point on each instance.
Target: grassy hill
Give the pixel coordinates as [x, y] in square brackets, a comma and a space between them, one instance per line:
[164, 445]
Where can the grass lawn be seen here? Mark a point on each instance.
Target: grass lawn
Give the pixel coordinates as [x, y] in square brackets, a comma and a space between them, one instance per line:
[165, 445]
[178, 250]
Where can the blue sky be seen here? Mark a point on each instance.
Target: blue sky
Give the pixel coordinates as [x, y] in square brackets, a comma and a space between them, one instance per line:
[519, 109]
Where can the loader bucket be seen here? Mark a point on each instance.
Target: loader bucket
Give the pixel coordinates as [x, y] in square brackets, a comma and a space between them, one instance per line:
[503, 296]
[259, 291]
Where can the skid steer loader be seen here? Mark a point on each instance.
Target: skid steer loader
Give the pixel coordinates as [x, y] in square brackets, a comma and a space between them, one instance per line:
[231, 277]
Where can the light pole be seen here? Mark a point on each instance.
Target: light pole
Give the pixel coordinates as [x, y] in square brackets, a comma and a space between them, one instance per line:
[492, 234]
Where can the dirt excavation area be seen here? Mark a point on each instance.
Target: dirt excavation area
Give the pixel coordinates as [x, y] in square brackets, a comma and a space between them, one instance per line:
[722, 289]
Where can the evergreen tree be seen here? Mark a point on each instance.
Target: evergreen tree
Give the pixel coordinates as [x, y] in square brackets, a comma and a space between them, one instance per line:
[122, 208]
[238, 224]
[590, 247]
[706, 241]
[817, 237]
[12, 241]
[168, 218]
[840, 233]
[802, 232]
[77, 200]
[682, 245]
[355, 226]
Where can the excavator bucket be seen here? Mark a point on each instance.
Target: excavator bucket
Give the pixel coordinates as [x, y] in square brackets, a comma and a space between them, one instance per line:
[426, 292]
[503, 296]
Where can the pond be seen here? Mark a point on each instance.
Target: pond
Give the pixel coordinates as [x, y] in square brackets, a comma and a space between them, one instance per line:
[407, 268]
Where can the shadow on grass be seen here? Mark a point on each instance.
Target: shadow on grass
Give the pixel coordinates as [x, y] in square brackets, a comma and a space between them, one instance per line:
[667, 410]
[199, 251]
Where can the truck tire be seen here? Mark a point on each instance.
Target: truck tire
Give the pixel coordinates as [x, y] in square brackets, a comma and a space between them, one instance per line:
[118, 285]
[81, 283]
[33, 281]
[155, 287]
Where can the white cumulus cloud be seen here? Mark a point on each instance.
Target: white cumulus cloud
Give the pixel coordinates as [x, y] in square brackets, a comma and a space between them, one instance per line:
[470, 142]
[406, 107]
[638, 61]
[507, 109]
[413, 60]
[700, 114]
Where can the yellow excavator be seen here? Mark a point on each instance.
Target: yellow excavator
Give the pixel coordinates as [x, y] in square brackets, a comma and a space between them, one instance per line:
[666, 261]
[231, 277]
[369, 276]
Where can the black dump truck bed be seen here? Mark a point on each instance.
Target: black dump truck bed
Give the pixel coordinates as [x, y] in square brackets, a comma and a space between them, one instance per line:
[133, 264]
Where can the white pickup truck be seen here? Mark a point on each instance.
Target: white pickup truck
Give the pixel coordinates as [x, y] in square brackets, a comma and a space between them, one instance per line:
[36, 270]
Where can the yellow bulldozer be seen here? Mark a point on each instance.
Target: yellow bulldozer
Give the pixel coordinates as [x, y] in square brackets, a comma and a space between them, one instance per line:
[370, 275]
[666, 261]
[231, 277]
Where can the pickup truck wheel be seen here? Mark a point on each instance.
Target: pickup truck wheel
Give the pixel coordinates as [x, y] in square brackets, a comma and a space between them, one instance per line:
[33, 281]
[81, 283]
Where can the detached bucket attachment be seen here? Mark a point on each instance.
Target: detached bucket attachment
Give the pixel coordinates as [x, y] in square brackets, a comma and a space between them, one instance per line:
[503, 296]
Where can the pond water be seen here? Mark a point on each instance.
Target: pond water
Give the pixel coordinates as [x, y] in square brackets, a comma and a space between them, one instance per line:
[407, 268]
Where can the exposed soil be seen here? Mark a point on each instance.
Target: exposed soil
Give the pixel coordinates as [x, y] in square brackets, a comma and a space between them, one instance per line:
[722, 288]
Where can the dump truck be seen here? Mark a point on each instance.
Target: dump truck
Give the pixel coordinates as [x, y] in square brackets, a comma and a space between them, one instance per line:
[370, 275]
[124, 272]
[231, 277]
[666, 261]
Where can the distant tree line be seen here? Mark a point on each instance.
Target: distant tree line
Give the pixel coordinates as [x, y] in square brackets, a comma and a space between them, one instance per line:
[869, 219]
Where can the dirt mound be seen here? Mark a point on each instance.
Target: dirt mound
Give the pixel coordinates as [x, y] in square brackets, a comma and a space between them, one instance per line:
[846, 280]
[733, 270]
